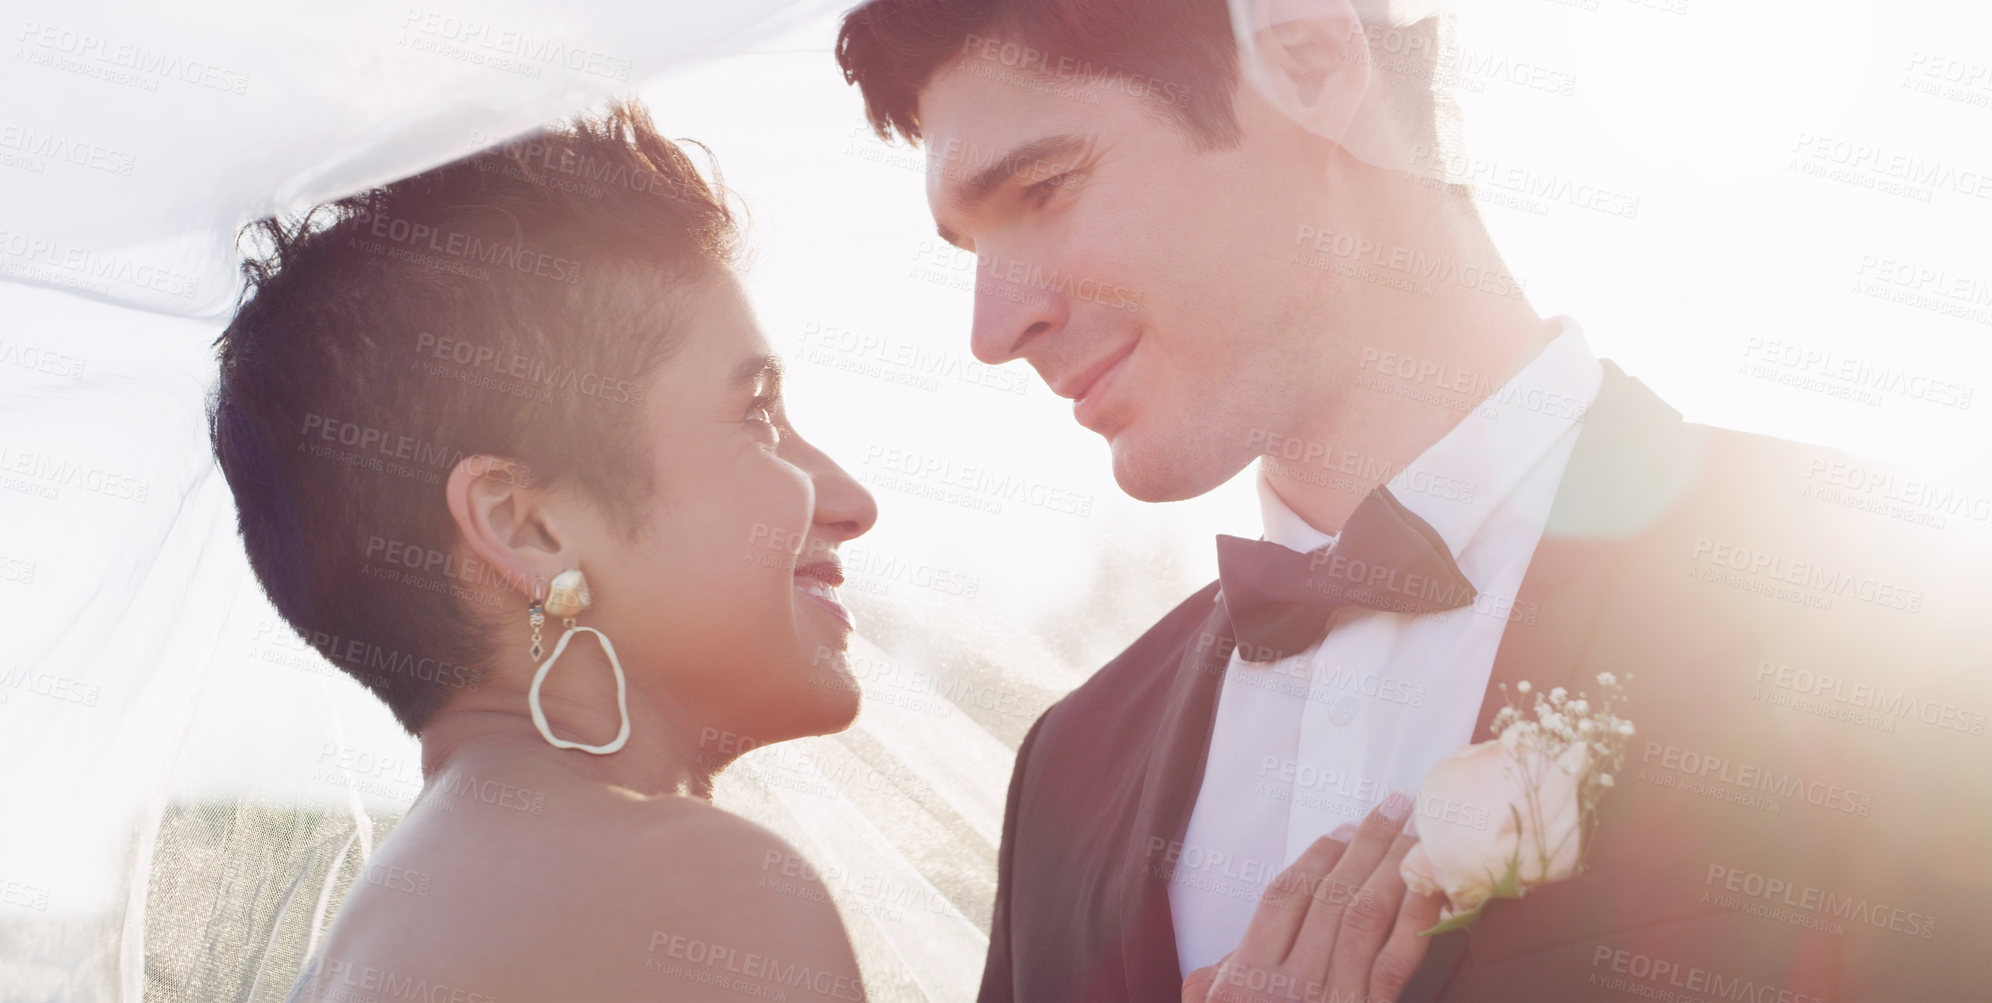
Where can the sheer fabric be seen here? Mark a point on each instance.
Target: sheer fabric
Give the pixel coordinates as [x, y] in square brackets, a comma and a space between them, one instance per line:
[187, 790]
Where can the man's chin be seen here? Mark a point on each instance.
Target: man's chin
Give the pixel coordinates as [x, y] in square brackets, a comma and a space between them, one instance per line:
[1150, 474]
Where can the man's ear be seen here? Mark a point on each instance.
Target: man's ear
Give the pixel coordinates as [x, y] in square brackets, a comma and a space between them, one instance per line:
[506, 522]
[1308, 58]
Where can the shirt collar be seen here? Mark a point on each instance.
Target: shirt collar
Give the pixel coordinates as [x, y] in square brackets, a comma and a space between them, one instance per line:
[1457, 483]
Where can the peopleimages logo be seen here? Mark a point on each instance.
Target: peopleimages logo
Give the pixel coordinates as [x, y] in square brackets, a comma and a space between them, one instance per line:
[1304, 456]
[1885, 170]
[376, 663]
[1012, 272]
[386, 451]
[971, 485]
[1526, 182]
[504, 46]
[45, 475]
[53, 260]
[468, 247]
[146, 66]
[1333, 573]
[746, 972]
[1882, 484]
[1777, 568]
[39, 148]
[1752, 777]
[541, 156]
[1405, 261]
[530, 373]
[1806, 905]
[1856, 378]
[340, 979]
[1864, 696]
[902, 362]
[1025, 58]
[1703, 982]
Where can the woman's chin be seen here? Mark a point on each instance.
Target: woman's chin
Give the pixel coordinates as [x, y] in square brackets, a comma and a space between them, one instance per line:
[843, 716]
[829, 697]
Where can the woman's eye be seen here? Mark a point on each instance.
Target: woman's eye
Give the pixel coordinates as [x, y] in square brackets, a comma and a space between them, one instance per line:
[762, 421]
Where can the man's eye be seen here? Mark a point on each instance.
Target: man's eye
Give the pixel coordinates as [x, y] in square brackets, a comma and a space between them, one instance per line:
[1040, 193]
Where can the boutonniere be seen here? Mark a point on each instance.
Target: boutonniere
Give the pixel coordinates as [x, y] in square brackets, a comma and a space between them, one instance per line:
[1541, 779]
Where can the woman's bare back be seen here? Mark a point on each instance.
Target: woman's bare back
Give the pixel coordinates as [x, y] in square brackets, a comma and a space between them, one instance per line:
[543, 886]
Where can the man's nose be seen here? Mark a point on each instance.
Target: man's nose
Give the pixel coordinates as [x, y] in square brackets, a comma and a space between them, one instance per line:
[1011, 309]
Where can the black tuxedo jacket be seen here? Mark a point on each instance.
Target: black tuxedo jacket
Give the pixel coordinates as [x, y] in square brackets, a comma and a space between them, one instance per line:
[1803, 814]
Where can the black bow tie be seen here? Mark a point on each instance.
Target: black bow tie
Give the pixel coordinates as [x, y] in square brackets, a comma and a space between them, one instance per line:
[1386, 558]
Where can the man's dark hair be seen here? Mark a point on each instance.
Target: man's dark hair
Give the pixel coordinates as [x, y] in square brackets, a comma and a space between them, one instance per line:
[509, 304]
[1179, 56]
[1175, 54]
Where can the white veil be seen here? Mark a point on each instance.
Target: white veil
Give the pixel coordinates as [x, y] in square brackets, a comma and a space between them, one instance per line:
[186, 790]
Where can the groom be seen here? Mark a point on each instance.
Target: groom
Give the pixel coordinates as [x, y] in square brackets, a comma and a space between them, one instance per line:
[1222, 257]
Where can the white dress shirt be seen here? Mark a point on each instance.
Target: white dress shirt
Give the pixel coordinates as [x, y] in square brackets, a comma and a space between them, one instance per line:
[1302, 745]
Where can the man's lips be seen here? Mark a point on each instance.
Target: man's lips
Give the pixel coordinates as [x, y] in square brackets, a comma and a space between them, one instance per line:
[1095, 390]
[1076, 387]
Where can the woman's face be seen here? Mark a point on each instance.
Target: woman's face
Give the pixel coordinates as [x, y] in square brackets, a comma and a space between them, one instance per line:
[725, 604]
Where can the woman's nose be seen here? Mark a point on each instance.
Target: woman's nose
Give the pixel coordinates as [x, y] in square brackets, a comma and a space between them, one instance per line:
[844, 509]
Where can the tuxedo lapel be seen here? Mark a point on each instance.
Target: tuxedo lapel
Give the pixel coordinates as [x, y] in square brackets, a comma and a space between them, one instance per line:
[1632, 445]
[1162, 813]
[1565, 581]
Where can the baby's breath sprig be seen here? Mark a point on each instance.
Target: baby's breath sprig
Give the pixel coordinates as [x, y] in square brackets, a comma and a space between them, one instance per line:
[1561, 721]
[1561, 732]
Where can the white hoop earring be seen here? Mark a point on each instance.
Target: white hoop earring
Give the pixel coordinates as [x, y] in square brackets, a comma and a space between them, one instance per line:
[567, 597]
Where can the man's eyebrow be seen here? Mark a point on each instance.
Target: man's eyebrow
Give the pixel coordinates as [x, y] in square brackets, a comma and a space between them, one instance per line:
[986, 181]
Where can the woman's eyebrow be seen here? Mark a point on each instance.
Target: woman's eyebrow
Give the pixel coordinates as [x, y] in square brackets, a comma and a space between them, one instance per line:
[754, 369]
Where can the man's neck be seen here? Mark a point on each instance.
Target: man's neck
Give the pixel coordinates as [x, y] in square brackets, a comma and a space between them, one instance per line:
[1376, 421]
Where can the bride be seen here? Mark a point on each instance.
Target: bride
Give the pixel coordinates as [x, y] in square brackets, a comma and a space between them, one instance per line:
[514, 413]
[508, 447]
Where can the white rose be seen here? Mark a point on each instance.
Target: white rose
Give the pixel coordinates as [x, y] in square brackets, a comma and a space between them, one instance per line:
[1465, 862]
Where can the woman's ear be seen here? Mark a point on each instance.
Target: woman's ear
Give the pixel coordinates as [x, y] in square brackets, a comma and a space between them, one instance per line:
[507, 522]
[1308, 58]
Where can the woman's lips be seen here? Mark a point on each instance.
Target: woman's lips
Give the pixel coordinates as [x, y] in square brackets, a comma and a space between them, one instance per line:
[818, 582]
[825, 596]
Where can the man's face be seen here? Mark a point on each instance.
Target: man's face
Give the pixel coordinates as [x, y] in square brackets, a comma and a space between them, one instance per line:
[1154, 284]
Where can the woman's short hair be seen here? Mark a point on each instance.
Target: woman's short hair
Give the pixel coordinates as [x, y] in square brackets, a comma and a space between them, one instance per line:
[511, 304]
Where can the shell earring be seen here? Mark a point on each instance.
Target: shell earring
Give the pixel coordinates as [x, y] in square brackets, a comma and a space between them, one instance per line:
[566, 597]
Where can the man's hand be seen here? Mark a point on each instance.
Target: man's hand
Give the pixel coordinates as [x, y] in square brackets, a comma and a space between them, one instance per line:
[1335, 927]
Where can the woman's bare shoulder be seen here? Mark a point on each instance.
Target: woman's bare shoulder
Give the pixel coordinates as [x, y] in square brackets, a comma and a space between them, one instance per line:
[722, 902]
